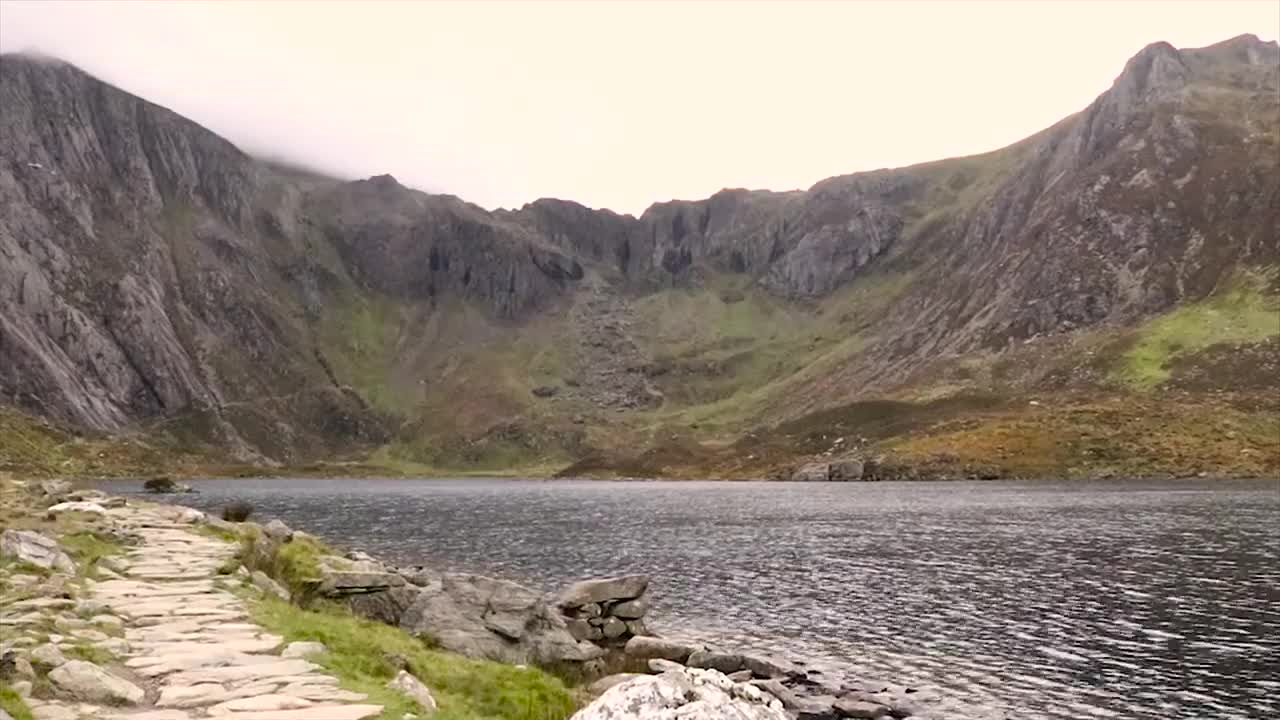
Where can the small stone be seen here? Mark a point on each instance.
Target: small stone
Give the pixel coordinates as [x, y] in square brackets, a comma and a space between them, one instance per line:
[107, 621]
[277, 530]
[853, 708]
[659, 665]
[302, 649]
[741, 676]
[603, 685]
[413, 687]
[22, 687]
[267, 585]
[47, 656]
[644, 647]
[613, 628]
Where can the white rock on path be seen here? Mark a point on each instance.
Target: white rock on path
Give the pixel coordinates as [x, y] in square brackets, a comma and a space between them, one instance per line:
[84, 507]
[86, 681]
[47, 655]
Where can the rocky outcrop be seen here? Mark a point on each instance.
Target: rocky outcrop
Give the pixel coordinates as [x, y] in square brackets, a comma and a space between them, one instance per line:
[684, 693]
[495, 619]
[86, 681]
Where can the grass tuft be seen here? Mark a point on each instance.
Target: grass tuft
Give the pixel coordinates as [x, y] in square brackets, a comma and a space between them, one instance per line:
[12, 703]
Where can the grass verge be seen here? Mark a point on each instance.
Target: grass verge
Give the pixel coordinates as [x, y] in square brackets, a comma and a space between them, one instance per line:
[12, 703]
[363, 653]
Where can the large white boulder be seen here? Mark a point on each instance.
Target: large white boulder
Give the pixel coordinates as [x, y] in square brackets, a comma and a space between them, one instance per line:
[683, 694]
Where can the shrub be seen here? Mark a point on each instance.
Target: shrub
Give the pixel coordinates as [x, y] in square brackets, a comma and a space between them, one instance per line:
[238, 511]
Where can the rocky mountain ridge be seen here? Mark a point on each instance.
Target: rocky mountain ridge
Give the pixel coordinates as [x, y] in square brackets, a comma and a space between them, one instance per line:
[155, 277]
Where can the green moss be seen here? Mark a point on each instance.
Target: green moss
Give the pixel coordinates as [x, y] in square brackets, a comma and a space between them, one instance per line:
[360, 651]
[1240, 313]
[12, 703]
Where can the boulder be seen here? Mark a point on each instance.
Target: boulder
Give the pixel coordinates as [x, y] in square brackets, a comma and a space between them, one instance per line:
[637, 627]
[277, 530]
[160, 485]
[630, 609]
[387, 606]
[812, 472]
[413, 687]
[188, 515]
[603, 590]
[301, 649]
[32, 547]
[601, 686]
[683, 693]
[90, 683]
[341, 577]
[47, 656]
[722, 662]
[846, 471]
[861, 709]
[613, 628]
[267, 585]
[770, 667]
[91, 508]
[494, 619]
[644, 647]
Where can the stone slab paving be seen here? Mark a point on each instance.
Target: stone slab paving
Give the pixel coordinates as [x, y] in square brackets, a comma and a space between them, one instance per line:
[189, 649]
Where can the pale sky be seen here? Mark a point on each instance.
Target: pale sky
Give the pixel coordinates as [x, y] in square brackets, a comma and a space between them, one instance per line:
[617, 104]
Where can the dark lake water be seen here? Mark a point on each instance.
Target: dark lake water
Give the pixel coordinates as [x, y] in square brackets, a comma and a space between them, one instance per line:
[1056, 601]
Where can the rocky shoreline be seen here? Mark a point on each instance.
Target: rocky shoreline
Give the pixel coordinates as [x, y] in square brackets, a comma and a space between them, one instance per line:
[593, 630]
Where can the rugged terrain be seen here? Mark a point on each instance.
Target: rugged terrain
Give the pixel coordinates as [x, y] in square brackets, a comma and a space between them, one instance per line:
[1097, 299]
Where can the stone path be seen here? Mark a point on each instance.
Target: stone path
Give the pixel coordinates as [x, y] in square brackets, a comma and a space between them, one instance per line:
[189, 649]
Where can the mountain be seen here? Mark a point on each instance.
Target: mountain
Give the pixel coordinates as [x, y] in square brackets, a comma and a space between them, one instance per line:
[1077, 303]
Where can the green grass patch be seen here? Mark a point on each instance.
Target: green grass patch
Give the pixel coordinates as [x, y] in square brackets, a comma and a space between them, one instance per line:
[1240, 313]
[360, 652]
[296, 564]
[89, 653]
[12, 703]
[87, 548]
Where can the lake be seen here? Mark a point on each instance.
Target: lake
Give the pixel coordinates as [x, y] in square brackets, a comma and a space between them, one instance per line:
[1132, 601]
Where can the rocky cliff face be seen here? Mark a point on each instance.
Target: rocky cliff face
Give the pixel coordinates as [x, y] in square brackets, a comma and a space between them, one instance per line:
[155, 276]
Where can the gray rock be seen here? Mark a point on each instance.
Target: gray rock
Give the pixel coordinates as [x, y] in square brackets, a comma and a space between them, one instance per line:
[770, 667]
[790, 700]
[846, 470]
[495, 619]
[741, 676]
[54, 490]
[583, 630]
[601, 686]
[857, 708]
[637, 627]
[302, 648]
[644, 647]
[32, 547]
[277, 530]
[631, 609]
[357, 580]
[47, 656]
[602, 590]
[413, 687]
[267, 585]
[658, 665]
[86, 681]
[722, 662]
[613, 628]
[812, 472]
[387, 606]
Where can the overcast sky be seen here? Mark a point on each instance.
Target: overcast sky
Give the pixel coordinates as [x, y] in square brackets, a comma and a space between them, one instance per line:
[616, 104]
